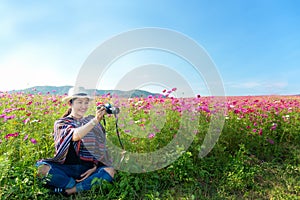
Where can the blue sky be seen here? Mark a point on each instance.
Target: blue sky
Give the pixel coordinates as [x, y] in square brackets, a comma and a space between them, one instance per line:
[255, 45]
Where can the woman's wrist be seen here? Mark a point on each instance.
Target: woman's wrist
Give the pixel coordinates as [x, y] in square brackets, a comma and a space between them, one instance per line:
[94, 121]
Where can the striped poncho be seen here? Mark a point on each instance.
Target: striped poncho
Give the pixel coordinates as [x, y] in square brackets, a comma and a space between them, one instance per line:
[91, 147]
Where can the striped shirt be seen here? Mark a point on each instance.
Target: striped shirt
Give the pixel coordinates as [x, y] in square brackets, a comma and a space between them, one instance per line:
[91, 148]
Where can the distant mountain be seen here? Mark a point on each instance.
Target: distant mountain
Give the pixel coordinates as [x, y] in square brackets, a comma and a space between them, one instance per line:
[61, 90]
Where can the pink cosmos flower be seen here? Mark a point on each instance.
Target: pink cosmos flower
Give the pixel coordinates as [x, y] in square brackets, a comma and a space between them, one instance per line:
[26, 120]
[271, 141]
[33, 141]
[274, 126]
[260, 131]
[25, 137]
[205, 108]
[9, 117]
[151, 135]
[11, 135]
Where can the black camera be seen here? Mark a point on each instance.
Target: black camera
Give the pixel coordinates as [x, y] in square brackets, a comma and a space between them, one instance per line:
[109, 109]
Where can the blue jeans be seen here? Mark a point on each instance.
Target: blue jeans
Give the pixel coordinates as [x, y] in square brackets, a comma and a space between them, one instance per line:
[64, 176]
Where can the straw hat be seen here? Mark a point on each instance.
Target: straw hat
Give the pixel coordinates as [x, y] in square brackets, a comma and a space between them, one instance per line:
[76, 93]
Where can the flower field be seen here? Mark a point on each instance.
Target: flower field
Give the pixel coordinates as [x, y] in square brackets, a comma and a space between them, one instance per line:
[257, 155]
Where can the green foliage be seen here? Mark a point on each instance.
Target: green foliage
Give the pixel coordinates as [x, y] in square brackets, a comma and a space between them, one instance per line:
[257, 155]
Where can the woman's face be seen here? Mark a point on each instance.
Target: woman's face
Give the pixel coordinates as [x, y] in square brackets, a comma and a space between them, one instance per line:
[79, 107]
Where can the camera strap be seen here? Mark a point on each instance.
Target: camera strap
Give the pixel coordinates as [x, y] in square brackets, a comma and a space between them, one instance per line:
[117, 129]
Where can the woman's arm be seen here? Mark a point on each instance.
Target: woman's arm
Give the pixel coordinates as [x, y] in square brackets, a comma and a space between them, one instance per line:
[80, 132]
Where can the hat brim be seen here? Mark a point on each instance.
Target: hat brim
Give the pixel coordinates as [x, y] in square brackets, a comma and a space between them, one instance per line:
[68, 98]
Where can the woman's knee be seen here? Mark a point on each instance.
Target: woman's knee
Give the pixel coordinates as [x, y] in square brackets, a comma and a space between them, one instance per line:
[111, 171]
[43, 170]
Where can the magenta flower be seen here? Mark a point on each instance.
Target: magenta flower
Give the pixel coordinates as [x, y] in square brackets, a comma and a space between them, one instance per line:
[33, 141]
[26, 120]
[274, 126]
[151, 135]
[271, 141]
[25, 137]
[205, 108]
[236, 111]
[260, 131]
[9, 117]
[7, 110]
[11, 135]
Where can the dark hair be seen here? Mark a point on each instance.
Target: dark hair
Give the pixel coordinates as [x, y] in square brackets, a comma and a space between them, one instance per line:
[68, 112]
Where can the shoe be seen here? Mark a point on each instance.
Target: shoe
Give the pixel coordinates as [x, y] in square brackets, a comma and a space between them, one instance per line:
[60, 191]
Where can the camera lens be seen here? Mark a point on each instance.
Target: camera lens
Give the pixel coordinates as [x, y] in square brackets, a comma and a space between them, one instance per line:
[109, 109]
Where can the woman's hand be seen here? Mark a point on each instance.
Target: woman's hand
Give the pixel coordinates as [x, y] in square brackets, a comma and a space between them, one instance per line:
[86, 174]
[100, 113]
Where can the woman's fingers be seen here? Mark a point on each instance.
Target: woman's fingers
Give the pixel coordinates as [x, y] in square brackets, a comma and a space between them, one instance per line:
[100, 113]
[86, 174]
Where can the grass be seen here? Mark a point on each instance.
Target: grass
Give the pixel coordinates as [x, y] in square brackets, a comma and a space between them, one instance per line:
[256, 157]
